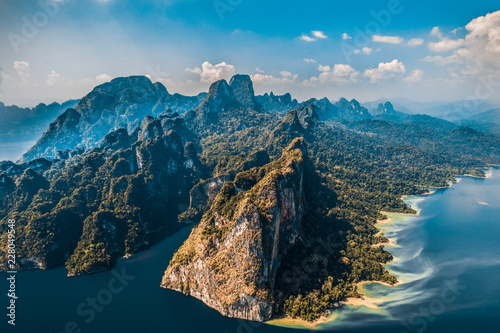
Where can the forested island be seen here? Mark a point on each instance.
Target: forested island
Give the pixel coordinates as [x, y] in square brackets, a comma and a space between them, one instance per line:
[282, 196]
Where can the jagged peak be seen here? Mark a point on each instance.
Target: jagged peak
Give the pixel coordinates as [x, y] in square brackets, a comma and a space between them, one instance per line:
[240, 79]
[385, 108]
[291, 117]
[342, 100]
[150, 128]
[116, 140]
[243, 91]
[297, 143]
[220, 97]
[355, 103]
[219, 88]
[309, 103]
[173, 142]
[290, 123]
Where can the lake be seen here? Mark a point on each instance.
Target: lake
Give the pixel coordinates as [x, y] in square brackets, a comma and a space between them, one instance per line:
[448, 257]
[12, 147]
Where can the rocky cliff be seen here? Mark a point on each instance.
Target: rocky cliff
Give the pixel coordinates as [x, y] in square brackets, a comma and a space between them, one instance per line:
[231, 258]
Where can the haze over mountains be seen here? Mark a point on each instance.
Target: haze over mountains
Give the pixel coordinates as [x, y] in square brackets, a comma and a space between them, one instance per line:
[22, 124]
[462, 112]
[270, 182]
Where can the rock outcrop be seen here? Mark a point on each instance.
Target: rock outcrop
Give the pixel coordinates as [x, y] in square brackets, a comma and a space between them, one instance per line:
[243, 91]
[231, 258]
[277, 103]
[352, 110]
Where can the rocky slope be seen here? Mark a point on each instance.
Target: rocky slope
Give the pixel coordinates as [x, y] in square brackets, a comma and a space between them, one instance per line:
[231, 258]
[121, 103]
[100, 202]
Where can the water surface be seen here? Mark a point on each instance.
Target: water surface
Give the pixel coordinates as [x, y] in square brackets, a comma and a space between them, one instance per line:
[12, 147]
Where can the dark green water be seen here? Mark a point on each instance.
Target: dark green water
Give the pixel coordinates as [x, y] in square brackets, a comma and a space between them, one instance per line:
[448, 259]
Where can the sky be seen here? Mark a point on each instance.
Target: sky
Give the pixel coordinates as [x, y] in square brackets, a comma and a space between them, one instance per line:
[55, 50]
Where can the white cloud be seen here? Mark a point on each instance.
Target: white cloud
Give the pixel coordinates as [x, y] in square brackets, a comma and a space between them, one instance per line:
[53, 78]
[322, 68]
[445, 45]
[415, 42]
[436, 32]
[285, 73]
[23, 69]
[319, 34]
[307, 60]
[261, 79]
[367, 50]
[483, 43]
[440, 60]
[210, 73]
[100, 79]
[346, 36]
[259, 70]
[477, 55]
[415, 76]
[166, 82]
[387, 39]
[385, 70]
[306, 38]
[315, 35]
[340, 74]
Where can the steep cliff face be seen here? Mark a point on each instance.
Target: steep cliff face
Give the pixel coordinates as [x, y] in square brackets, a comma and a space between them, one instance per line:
[243, 91]
[231, 258]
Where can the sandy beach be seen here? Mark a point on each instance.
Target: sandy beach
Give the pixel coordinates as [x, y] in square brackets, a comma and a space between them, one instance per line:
[291, 322]
[391, 242]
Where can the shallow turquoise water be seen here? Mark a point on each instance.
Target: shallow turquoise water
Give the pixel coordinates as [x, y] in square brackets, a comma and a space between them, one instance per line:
[448, 258]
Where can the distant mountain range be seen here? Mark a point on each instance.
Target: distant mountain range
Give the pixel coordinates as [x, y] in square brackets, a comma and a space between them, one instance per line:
[478, 114]
[481, 115]
[488, 121]
[30, 121]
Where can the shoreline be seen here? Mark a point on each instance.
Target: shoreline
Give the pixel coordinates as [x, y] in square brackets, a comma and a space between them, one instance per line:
[366, 301]
[370, 303]
[350, 301]
[301, 323]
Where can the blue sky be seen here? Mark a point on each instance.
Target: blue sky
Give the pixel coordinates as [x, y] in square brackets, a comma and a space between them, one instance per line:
[421, 50]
